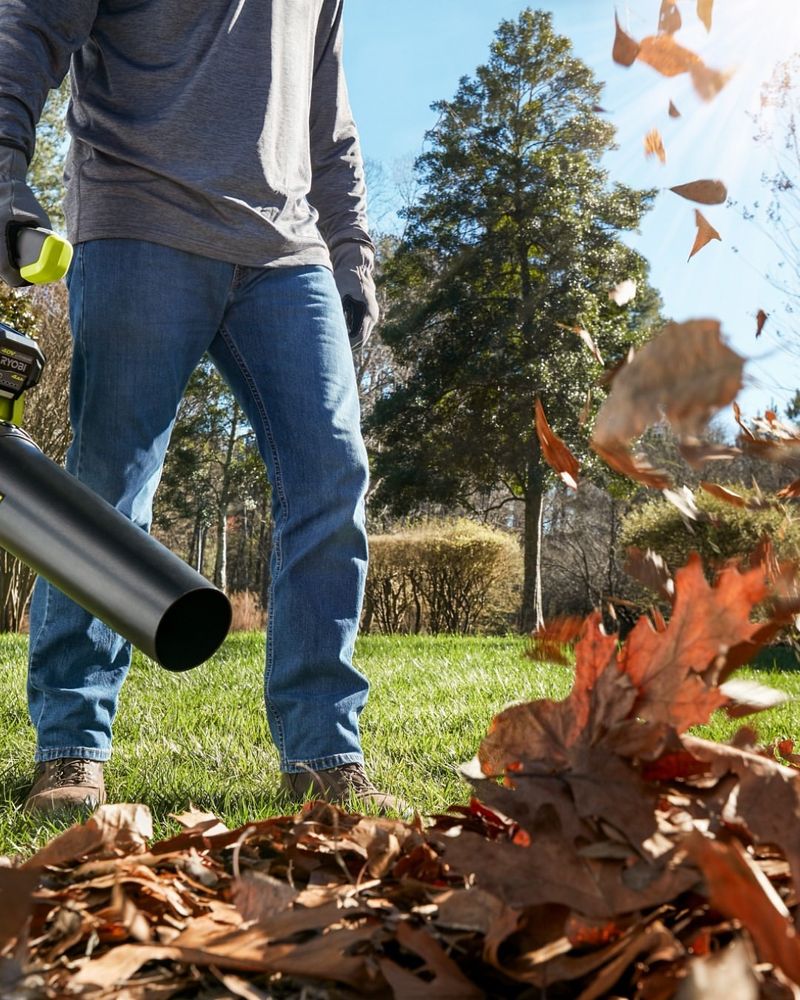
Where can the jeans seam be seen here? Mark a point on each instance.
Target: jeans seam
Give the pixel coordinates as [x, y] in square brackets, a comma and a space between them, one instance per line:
[321, 763]
[82, 348]
[84, 753]
[278, 535]
[37, 637]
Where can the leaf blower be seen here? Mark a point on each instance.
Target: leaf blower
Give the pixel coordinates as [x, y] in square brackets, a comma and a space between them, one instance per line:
[73, 538]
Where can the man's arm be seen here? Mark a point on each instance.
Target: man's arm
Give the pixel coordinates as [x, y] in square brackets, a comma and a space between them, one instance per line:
[37, 38]
[338, 190]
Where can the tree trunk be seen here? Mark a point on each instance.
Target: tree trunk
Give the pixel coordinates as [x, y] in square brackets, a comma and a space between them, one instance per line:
[531, 616]
[221, 561]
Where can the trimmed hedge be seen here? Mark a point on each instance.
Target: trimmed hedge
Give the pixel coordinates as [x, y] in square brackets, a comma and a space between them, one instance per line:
[442, 576]
[728, 533]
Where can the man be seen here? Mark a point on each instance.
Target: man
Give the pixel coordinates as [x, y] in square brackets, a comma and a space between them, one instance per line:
[213, 181]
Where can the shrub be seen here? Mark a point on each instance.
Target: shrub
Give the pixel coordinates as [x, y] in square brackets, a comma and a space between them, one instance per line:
[727, 533]
[442, 576]
[248, 614]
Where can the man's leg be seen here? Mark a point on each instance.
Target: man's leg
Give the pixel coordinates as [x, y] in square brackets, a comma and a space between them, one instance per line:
[283, 349]
[142, 316]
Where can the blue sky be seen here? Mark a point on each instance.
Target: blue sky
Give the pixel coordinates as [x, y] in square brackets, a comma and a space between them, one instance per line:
[401, 57]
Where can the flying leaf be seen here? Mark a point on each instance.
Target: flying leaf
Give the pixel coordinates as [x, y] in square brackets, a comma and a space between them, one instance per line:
[669, 668]
[704, 12]
[547, 643]
[586, 409]
[668, 58]
[555, 452]
[684, 502]
[632, 466]
[747, 697]
[587, 339]
[685, 373]
[722, 493]
[650, 569]
[761, 319]
[624, 292]
[669, 18]
[705, 233]
[654, 145]
[708, 82]
[705, 192]
[673, 111]
[697, 452]
[790, 492]
[625, 48]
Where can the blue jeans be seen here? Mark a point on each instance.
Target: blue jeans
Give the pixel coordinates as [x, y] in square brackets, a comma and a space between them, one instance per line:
[142, 317]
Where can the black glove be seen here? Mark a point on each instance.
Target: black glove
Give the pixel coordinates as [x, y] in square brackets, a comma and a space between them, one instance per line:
[18, 207]
[352, 269]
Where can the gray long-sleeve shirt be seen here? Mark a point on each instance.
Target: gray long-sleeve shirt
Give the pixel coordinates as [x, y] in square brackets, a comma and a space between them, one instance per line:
[221, 127]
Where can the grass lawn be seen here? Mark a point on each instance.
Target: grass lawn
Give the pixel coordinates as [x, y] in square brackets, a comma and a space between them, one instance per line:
[201, 737]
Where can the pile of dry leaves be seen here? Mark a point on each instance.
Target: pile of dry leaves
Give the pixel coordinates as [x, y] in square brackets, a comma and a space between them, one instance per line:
[606, 853]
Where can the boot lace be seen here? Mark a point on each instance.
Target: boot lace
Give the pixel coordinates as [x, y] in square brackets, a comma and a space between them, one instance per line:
[355, 778]
[72, 772]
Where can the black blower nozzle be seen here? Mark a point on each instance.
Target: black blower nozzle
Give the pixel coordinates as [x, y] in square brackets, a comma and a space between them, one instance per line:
[104, 562]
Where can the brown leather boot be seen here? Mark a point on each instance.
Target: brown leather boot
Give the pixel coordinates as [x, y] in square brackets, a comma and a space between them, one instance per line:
[66, 783]
[346, 786]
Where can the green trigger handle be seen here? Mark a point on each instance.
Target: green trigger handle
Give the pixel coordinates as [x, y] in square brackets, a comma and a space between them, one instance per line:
[42, 255]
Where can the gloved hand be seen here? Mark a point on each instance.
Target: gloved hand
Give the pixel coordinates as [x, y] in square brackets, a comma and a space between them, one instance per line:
[352, 269]
[18, 207]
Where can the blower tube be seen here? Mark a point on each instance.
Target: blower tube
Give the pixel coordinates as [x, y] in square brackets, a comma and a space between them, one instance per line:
[103, 561]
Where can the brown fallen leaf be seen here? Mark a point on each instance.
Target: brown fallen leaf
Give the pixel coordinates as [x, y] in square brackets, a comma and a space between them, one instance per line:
[704, 192]
[625, 49]
[112, 829]
[586, 409]
[633, 466]
[704, 12]
[728, 973]
[16, 902]
[723, 493]
[790, 492]
[654, 145]
[669, 17]
[686, 373]
[196, 821]
[448, 982]
[697, 453]
[654, 939]
[684, 502]
[761, 319]
[705, 233]
[673, 111]
[555, 452]
[666, 56]
[547, 643]
[737, 888]
[650, 569]
[708, 82]
[258, 896]
[586, 338]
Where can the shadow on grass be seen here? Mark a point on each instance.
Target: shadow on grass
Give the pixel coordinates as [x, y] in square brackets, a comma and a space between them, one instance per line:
[784, 658]
[15, 783]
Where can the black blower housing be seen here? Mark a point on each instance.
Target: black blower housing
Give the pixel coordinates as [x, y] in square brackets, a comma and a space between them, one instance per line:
[105, 562]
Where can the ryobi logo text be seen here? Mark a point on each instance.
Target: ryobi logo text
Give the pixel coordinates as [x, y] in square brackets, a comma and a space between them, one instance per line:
[13, 363]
